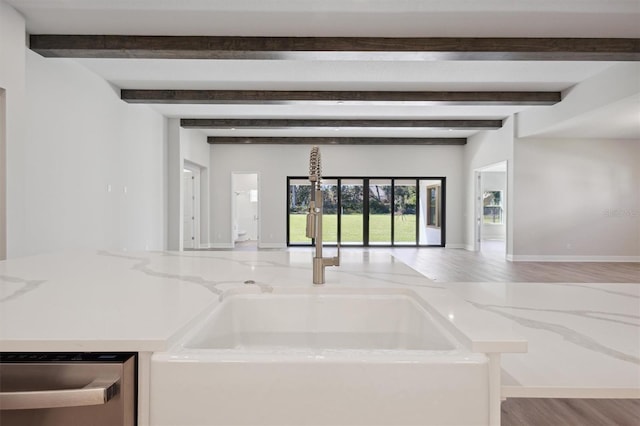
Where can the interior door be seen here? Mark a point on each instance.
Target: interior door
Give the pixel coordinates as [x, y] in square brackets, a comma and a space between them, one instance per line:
[188, 213]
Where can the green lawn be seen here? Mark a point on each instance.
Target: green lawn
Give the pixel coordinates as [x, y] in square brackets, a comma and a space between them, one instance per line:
[379, 232]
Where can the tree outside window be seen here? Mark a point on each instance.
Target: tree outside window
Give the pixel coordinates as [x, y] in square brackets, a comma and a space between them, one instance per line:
[492, 209]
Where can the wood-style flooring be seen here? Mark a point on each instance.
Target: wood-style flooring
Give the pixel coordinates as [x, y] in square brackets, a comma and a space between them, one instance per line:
[570, 412]
[490, 265]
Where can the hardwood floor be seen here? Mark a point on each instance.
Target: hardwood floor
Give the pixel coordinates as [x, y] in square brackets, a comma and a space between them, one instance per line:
[490, 265]
[570, 412]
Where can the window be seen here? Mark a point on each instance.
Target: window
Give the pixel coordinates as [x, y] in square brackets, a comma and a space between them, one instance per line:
[370, 211]
[492, 207]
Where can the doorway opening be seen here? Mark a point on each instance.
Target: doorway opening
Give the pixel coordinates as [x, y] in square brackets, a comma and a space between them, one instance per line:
[245, 208]
[491, 209]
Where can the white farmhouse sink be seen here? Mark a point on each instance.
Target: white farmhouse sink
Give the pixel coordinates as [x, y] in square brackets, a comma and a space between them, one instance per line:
[320, 321]
[320, 357]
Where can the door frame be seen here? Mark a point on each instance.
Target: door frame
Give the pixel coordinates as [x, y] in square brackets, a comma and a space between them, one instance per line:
[197, 176]
[478, 205]
[477, 210]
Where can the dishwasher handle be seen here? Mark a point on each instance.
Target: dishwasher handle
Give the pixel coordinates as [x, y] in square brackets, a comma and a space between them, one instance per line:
[99, 391]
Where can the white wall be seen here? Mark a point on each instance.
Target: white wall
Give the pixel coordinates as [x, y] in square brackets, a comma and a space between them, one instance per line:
[616, 84]
[12, 80]
[94, 166]
[189, 146]
[577, 199]
[195, 150]
[276, 162]
[482, 150]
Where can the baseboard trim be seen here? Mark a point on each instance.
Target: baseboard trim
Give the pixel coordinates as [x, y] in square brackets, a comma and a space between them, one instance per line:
[272, 245]
[536, 258]
[455, 246]
[220, 245]
[561, 392]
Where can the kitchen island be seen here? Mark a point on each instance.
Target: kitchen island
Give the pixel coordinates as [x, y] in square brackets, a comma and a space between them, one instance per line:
[143, 302]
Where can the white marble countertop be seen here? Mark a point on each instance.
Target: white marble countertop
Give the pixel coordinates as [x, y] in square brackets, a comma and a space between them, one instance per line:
[118, 301]
[584, 339]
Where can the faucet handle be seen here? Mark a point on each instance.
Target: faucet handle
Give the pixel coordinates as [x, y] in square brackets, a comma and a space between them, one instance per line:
[311, 222]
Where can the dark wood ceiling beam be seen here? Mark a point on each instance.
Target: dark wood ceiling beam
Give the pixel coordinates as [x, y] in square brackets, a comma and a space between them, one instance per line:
[250, 123]
[336, 48]
[225, 140]
[358, 97]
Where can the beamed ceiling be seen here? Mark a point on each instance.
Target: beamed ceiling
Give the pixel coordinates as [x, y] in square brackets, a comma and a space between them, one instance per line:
[286, 71]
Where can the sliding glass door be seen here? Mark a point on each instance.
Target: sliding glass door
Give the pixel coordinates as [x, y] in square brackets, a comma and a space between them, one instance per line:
[431, 217]
[379, 218]
[298, 196]
[351, 212]
[330, 211]
[371, 211]
[404, 212]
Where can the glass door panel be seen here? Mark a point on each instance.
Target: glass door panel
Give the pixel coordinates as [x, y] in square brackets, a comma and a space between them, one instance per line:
[430, 229]
[404, 212]
[299, 198]
[351, 213]
[380, 210]
[329, 211]
[365, 211]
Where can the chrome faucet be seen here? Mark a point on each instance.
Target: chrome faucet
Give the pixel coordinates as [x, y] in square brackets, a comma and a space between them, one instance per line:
[314, 219]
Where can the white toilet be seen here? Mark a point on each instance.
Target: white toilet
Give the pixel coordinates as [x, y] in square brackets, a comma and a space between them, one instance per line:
[239, 234]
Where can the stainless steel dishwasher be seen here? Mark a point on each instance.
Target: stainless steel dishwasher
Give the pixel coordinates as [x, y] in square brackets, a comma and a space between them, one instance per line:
[48, 389]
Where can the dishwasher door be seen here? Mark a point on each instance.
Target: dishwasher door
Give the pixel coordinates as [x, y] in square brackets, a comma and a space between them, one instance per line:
[48, 389]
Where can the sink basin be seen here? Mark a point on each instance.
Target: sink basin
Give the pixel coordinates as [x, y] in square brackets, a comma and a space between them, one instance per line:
[320, 321]
[320, 357]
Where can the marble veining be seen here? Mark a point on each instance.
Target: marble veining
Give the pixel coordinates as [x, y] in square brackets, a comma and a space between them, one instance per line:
[600, 289]
[573, 336]
[392, 278]
[28, 286]
[142, 265]
[587, 314]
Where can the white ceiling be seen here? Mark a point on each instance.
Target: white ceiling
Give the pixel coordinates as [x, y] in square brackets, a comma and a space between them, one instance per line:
[437, 18]
[619, 120]
[391, 18]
